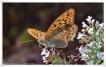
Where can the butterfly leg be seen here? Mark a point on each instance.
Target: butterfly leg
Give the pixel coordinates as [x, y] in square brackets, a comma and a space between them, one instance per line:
[39, 45]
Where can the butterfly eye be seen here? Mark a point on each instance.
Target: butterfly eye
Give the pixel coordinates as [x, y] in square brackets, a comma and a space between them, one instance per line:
[42, 41]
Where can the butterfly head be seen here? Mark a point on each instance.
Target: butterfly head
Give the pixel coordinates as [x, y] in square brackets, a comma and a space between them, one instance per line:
[43, 42]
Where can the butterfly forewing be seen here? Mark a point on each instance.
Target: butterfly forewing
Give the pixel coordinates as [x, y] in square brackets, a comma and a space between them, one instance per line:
[65, 18]
[36, 34]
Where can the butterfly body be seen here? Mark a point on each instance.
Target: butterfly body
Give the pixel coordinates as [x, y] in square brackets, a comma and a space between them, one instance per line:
[61, 31]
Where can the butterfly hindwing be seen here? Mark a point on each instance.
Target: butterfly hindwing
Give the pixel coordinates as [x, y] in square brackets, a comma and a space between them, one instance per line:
[65, 36]
[71, 33]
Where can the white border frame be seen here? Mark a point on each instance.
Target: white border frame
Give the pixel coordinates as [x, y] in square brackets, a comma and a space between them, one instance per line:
[29, 1]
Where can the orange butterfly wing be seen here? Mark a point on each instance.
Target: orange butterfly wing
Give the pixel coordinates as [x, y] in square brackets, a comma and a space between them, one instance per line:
[36, 34]
[65, 18]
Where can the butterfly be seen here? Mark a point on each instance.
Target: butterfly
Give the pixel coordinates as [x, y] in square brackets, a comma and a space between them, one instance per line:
[61, 31]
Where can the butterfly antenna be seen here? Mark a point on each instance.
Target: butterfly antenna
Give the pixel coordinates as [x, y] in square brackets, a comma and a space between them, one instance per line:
[27, 41]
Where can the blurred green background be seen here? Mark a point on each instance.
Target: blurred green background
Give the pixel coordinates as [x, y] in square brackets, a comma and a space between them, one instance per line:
[18, 17]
